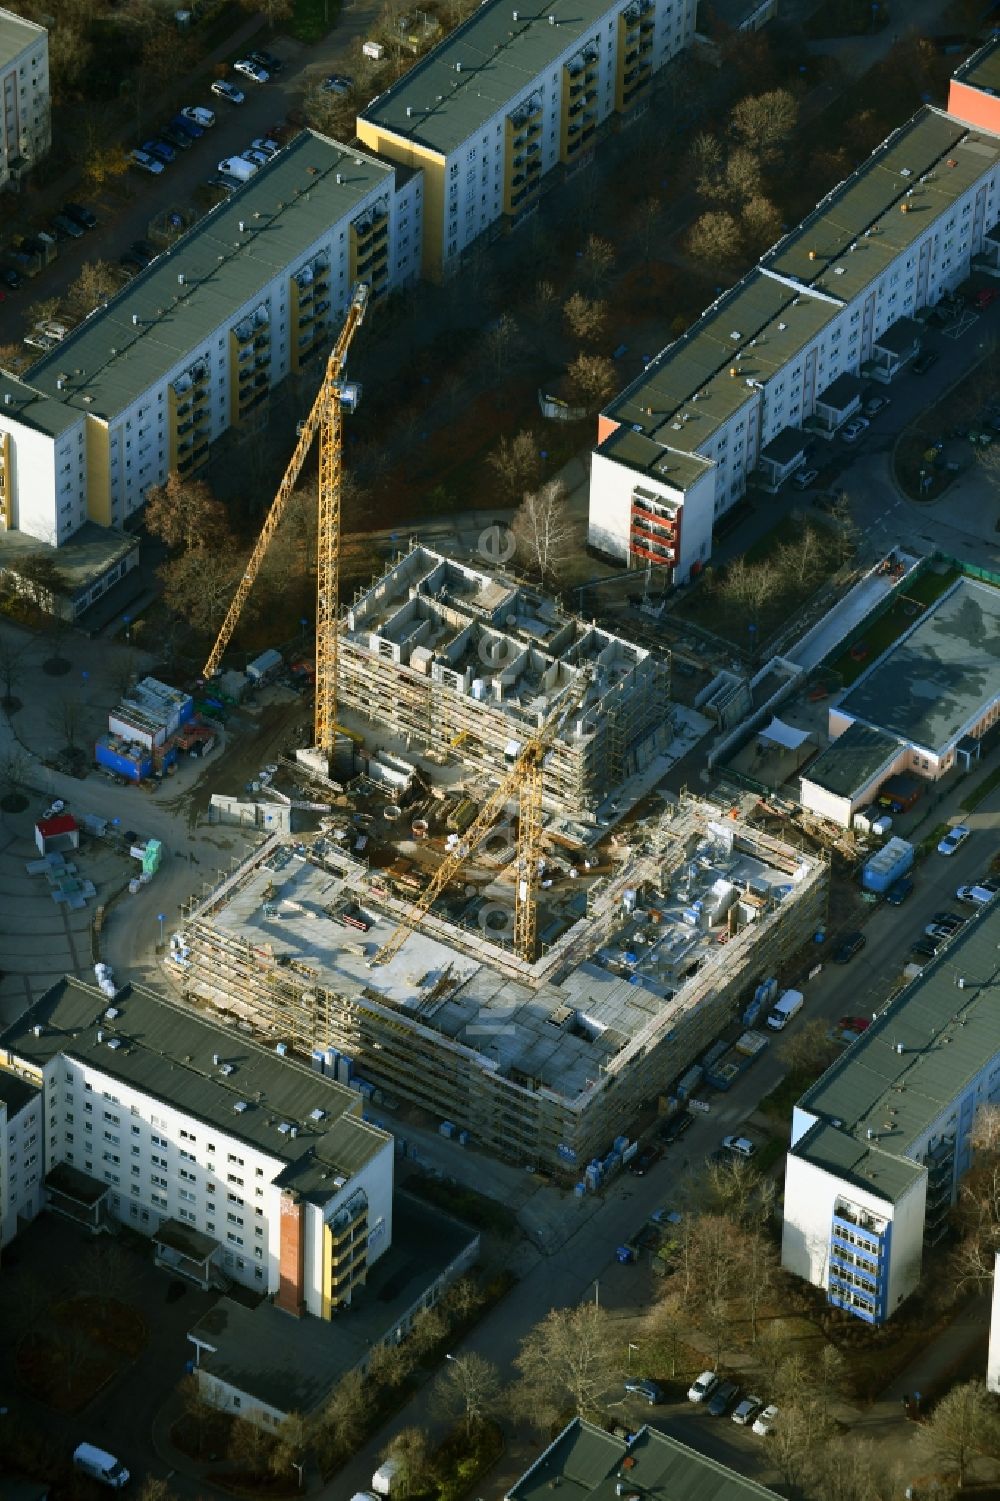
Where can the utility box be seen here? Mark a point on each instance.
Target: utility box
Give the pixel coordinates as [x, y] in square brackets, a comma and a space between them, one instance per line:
[374, 50]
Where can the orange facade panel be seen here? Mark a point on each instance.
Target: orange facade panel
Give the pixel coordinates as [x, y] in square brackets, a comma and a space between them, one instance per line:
[292, 1257]
[972, 105]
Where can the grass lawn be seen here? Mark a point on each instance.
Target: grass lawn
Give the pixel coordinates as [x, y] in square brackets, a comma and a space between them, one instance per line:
[465, 1204]
[312, 19]
[778, 1104]
[890, 626]
[982, 789]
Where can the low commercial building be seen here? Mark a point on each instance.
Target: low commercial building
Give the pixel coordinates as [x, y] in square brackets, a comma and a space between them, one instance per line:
[25, 106]
[235, 1160]
[587, 1464]
[761, 374]
[447, 656]
[509, 97]
[195, 344]
[548, 1062]
[880, 1143]
[847, 775]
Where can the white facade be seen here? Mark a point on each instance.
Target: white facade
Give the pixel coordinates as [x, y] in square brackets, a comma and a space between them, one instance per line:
[25, 111]
[22, 1148]
[857, 332]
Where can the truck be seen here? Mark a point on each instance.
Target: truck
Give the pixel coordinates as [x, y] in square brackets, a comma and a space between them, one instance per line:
[266, 665]
[238, 167]
[899, 793]
[385, 1475]
[790, 1005]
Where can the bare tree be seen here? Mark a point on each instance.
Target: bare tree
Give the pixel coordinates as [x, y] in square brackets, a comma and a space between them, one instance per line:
[64, 720]
[544, 302]
[342, 1423]
[389, 1365]
[597, 262]
[761, 223]
[586, 319]
[463, 1299]
[107, 1272]
[197, 1408]
[12, 665]
[469, 1388]
[543, 531]
[249, 1446]
[592, 379]
[292, 1444]
[715, 239]
[669, 1324]
[765, 122]
[707, 160]
[501, 340]
[809, 1050]
[516, 463]
[185, 514]
[963, 1426]
[411, 1451]
[571, 1356]
[428, 1331]
[96, 281]
[14, 357]
[743, 174]
[199, 585]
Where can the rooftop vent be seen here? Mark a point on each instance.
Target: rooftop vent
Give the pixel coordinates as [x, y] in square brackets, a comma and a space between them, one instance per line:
[812, 255]
[111, 1013]
[240, 1106]
[100, 1034]
[180, 278]
[316, 1115]
[870, 1134]
[782, 327]
[284, 1127]
[216, 1059]
[227, 1069]
[735, 334]
[458, 67]
[552, 20]
[38, 1029]
[114, 1042]
[514, 15]
[340, 175]
[8, 399]
[905, 172]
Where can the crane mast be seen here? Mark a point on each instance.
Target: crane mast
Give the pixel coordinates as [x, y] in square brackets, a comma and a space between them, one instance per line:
[326, 417]
[525, 780]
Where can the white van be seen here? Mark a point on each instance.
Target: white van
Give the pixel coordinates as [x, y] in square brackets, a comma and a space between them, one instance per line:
[790, 1005]
[100, 1465]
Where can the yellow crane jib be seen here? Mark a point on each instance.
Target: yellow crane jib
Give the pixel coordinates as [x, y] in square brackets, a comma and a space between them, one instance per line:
[332, 398]
[525, 780]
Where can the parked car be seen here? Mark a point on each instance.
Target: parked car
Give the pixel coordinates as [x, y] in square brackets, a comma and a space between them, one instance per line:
[952, 920]
[641, 1386]
[765, 1423]
[251, 70]
[854, 1024]
[10, 278]
[854, 430]
[178, 138]
[803, 478]
[848, 947]
[701, 1389]
[160, 150]
[923, 362]
[146, 162]
[984, 297]
[938, 930]
[259, 158]
[266, 60]
[641, 1163]
[954, 837]
[80, 215]
[897, 893]
[740, 1146]
[267, 147]
[925, 948]
[190, 128]
[199, 115]
[977, 895]
[875, 404]
[674, 1128]
[226, 90]
[131, 264]
[744, 1412]
[723, 1399]
[66, 228]
[338, 83]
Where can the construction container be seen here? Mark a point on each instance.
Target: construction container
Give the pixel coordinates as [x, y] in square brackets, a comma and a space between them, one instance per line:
[893, 860]
[689, 1082]
[264, 666]
[899, 793]
[125, 758]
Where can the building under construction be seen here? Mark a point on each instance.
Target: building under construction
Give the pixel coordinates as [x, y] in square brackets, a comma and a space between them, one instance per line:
[453, 659]
[547, 1062]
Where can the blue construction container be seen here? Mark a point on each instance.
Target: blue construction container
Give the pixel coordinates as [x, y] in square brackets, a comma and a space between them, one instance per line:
[319, 1060]
[446, 1128]
[124, 758]
[887, 865]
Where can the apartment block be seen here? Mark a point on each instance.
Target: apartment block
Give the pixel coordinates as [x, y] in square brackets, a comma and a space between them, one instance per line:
[881, 1142]
[776, 362]
[25, 110]
[195, 344]
[510, 96]
[238, 1163]
[449, 656]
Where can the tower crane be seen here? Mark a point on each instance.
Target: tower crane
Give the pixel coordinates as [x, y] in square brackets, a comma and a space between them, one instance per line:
[326, 416]
[525, 780]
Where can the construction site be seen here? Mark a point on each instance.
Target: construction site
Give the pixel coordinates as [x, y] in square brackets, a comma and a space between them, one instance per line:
[645, 959]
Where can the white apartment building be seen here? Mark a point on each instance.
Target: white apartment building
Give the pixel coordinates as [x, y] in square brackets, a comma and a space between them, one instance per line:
[25, 110]
[509, 96]
[775, 363]
[233, 1159]
[881, 1142]
[194, 345]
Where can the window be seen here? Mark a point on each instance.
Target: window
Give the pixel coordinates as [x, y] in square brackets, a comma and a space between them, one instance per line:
[159, 1141]
[188, 1177]
[234, 1219]
[188, 1214]
[231, 1157]
[160, 1182]
[232, 1178]
[236, 1240]
[188, 1156]
[187, 1195]
[136, 1130]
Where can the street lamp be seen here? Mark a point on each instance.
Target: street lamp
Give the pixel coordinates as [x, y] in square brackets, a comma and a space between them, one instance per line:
[631, 1347]
[298, 1468]
[128, 627]
[161, 918]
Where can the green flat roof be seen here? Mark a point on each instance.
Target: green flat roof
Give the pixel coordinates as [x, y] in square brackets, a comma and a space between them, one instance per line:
[847, 765]
[15, 34]
[687, 391]
[487, 63]
[938, 678]
[33, 407]
[926, 164]
[15, 1093]
[584, 1461]
[88, 553]
[285, 208]
[167, 1051]
[982, 69]
[919, 1055]
[651, 456]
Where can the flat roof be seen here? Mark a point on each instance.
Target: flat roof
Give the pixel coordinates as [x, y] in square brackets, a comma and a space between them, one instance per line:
[849, 763]
[285, 208]
[586, 1462]
[15, 1093]
[15, 34]
[292, 1364]
[689, 389]
[917, 1057]
[490, 61]
[941, 675]
[982, 69]
[23, 402]
[167, 1051]
[854, 233]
